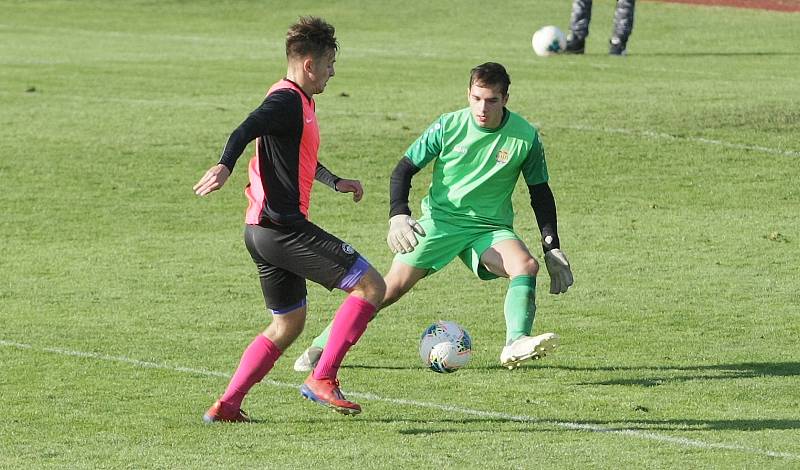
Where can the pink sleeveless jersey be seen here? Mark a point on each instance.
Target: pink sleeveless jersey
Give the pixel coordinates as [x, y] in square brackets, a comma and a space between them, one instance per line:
[256, 192]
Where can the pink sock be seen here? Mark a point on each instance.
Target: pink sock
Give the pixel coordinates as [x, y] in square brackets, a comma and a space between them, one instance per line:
[256, 361]
[348, 325]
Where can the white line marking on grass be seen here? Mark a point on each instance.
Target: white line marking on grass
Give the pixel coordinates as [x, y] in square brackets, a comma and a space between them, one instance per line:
[169, 102]
[702, 140]
[680, 441]
[192, 102]
[15, 345]
[179, 38]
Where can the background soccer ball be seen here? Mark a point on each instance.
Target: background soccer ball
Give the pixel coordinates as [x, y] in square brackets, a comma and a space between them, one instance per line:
[445, 347]
[549, 40]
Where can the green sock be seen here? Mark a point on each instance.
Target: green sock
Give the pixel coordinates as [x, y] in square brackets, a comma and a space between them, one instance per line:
[321, 340]
[520, 307]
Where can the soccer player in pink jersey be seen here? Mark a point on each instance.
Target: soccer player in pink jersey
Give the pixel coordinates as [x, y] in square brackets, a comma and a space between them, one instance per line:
[286, 247]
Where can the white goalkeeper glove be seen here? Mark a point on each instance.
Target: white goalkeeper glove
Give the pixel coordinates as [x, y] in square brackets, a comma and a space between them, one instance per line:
[559, 270]
[402, 236]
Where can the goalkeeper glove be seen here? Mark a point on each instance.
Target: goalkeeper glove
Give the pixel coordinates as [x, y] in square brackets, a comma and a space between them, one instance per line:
[559, 270]
[402, 237]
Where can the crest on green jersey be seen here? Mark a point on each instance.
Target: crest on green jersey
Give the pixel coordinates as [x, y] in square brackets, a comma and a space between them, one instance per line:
[502, 157]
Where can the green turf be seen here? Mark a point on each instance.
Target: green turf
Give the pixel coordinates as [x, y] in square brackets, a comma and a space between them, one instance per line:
[125, 299]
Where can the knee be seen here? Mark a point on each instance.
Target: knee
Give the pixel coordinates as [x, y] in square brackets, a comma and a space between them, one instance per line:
[371, 287]
[532, 267]
[526, 267]
[285, 328]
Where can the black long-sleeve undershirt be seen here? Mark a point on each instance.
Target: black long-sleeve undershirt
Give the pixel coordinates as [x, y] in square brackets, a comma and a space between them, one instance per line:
[400, 187]
[326, 177]
[280, 114]
[544, 207]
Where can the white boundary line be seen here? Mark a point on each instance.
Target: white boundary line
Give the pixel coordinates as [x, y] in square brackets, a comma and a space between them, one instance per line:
[399, 115]
[701, 140]
[679, 441]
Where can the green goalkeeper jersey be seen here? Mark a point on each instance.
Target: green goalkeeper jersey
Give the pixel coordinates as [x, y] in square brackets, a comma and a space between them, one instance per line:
[475, 170]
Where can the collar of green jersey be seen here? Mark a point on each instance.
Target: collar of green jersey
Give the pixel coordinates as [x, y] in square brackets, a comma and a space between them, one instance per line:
[503, 122]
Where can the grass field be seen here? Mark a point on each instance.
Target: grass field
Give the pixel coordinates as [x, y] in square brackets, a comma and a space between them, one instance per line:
[125, 300]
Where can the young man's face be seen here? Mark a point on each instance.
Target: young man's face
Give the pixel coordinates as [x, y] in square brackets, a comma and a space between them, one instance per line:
[486, 105]
[322, 70]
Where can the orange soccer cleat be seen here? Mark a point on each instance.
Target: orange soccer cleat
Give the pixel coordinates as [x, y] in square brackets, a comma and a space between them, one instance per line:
[220, 413]
[326, 393]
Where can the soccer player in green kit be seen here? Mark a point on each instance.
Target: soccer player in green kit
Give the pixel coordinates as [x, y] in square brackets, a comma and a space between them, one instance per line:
[478, 154]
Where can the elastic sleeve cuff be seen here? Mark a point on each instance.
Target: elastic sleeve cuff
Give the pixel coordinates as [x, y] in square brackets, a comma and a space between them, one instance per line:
[228, 164]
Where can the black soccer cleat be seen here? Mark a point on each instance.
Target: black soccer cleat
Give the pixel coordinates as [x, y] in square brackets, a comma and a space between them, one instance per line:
[616, 46]
[575, 45]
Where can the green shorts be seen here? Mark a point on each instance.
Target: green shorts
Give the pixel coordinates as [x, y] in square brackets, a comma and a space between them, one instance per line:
[444, 241]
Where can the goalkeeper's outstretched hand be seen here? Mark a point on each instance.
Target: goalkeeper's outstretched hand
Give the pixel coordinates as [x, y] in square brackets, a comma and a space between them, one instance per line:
[403, 230]
[560, 272]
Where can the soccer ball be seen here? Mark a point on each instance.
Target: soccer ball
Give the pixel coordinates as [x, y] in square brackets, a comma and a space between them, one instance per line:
[549, 40]
[445, 347]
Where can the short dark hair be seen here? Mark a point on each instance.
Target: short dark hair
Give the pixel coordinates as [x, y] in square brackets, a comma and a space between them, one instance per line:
[310, 36]
[490, 74]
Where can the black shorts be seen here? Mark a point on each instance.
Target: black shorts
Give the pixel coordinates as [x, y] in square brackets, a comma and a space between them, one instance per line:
[287, 255]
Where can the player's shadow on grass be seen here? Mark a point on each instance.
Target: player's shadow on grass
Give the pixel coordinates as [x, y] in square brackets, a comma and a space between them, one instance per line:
[695, 424]
[423, 368]
[457, 425]
[545, 425]
[710, 372]
[474, 425]
[378, 367]
[687, 373]
[436, 425]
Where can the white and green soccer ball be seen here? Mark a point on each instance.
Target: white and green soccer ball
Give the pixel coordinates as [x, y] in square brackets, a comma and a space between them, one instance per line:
[548, 40]
[445, 347]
